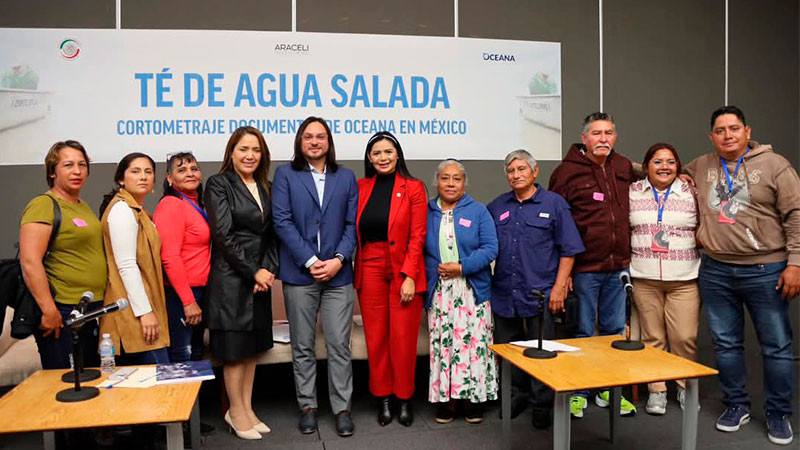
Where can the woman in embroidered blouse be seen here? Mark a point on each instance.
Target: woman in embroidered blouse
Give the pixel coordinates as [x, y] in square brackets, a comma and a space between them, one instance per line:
[185, 254]
[460, 244]
[665, 262]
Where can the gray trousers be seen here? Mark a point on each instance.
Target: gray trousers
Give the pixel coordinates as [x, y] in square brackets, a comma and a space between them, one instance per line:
[335, 306]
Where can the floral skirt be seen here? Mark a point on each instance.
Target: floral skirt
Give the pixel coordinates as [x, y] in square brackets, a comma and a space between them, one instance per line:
[462, 366]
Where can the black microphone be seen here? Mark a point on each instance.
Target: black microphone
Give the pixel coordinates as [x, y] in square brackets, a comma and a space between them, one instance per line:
[86, 298]
[625, 279]
[80, 319]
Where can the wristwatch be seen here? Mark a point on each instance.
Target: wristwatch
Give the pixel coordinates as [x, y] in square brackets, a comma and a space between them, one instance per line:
[340, 257]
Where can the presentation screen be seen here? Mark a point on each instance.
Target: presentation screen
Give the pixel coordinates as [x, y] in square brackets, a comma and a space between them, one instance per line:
[159, 91]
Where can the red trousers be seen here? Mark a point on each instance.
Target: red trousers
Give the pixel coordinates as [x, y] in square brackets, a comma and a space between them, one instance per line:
[391, 328]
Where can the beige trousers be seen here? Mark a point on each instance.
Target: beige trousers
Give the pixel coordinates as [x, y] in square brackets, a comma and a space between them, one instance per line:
[669, 314]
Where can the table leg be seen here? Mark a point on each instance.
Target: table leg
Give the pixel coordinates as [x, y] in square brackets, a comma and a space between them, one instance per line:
[561, 422]
[49, 438]
[174, 435]
[689, 438]
[505, 402]
[194, 425]
[616, 395]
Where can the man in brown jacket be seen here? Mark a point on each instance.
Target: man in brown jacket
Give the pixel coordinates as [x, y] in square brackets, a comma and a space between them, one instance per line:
[749, 201]
[594, 180]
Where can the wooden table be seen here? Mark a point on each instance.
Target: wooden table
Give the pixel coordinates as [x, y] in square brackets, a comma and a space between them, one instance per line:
[598, 365]
[32, 406]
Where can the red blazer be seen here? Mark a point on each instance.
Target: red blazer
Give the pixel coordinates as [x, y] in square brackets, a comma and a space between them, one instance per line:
[408, 215]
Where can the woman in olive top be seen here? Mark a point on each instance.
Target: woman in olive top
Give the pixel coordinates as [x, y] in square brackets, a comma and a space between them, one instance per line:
[76, 262]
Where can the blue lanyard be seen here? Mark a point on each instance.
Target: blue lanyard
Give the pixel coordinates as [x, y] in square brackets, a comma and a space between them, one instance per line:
[200, 210]
[728, 177]
[662, 203]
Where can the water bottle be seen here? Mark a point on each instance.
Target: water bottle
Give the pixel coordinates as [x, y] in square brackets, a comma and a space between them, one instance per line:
[107, 364]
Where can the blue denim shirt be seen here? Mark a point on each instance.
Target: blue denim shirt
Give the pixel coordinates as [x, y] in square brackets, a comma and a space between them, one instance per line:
[532, 236]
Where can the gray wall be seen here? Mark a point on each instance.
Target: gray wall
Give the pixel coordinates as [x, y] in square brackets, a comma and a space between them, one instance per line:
[663, 67]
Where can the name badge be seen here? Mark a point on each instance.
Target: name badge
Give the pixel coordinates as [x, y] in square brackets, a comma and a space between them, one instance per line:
[544, 215]
[728, 211]
[80, 223]
[464, 222]
[598, 196]
[504, 216]
[660, 241]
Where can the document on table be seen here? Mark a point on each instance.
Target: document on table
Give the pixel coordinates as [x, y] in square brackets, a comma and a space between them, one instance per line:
[546, 345]
[144, 377]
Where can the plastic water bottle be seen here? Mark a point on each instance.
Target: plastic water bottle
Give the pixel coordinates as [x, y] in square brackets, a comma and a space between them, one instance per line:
[107, 363]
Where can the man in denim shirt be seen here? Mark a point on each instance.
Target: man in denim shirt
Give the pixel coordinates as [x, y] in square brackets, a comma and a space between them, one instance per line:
[538, 242]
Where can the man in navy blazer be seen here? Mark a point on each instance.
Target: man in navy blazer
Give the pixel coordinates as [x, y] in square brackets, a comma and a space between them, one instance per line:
[314, 205]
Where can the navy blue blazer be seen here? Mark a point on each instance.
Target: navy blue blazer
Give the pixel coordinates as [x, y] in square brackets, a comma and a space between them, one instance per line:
[298, 218]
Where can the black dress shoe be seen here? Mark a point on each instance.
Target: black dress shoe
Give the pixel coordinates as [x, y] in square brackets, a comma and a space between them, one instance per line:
[473, 412]
[405, 416]
[384, 412]
[542, 419]
[344, 424]
[308, 421]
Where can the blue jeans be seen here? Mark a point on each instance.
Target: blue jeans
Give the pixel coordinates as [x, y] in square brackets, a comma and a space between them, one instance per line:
[185, 342]
[725, 289]
[56, 353]
[601, 298]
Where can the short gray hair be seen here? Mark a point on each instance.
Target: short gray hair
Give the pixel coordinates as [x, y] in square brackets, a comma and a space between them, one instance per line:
[448, 162]
[524, 155]
[594, 117]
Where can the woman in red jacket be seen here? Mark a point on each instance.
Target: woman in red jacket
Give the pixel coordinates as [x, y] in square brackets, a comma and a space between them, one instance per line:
[390, 271]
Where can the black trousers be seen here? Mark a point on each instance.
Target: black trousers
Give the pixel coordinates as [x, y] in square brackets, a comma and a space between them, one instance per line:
[523, 386]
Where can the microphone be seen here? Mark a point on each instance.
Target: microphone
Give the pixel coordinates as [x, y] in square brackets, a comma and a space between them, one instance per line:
[625, 279]
[80, 318]
[86, 298]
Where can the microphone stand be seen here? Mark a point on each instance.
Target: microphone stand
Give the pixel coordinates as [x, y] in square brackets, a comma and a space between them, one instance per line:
[539, 353]
[77, 356]
[78, 393]
[628, 344]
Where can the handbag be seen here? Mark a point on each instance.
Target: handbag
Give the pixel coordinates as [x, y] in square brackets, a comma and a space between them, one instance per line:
[27, 314]
[566, 322]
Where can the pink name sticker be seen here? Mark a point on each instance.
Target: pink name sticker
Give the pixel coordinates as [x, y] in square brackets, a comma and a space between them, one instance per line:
[79, 222]
[599, 196]
[464, 222]
[505, 215]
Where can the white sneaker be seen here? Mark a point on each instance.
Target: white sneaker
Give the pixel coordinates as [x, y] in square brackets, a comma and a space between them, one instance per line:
[682, 398]
[657, 403]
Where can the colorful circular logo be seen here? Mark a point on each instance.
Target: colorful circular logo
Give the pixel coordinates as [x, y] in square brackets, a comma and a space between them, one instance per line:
[70, 48]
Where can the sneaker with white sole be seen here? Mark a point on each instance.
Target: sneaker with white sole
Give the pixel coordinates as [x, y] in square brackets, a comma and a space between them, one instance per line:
[577, 404]
[779, 430]
[734, 417]
[657, 403]
[626, 408]
[682, 399]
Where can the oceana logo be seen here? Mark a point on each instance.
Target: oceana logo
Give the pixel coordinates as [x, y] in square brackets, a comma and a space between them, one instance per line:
[498, 57]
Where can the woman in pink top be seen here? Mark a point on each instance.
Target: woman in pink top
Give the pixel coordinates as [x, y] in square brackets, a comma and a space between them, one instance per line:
[185, 254]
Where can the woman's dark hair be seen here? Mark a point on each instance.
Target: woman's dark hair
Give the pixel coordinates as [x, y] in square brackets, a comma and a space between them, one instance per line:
[298, 160]
[401, 168]
[262, 171]
[656, 147]
[174, 161]
[119, 176]
[53, 157]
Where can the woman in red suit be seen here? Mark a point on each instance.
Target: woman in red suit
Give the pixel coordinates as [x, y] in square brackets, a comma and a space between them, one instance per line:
[390, 271]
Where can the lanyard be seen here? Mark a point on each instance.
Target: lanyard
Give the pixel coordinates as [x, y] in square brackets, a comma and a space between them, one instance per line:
[728, 177]
[660, 203]
[200, 210]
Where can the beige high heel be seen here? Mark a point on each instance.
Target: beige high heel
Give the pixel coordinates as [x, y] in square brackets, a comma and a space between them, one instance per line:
[250, 434]
[262, 428]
